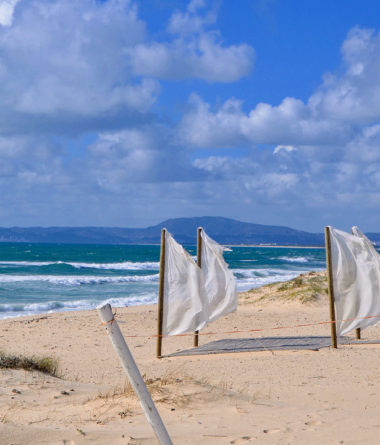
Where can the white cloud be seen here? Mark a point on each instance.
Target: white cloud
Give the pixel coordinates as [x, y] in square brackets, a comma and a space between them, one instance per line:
[291, 122]
[6, 11]
[190, 22]
[284, 147]
[353, 97]
[141, 155]
[319, 157]
[333, 115]
[195, 53]
[64, 58]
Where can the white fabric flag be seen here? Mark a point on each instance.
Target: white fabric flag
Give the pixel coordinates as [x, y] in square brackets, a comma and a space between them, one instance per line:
[185, 301]
[220, 282]
[356, 276]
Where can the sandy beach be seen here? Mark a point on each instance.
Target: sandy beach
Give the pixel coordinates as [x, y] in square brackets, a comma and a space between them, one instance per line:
[272, 397]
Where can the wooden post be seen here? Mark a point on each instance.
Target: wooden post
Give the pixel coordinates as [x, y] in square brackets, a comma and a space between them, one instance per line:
[334, 342]
[133, 373]
[199, 262]
[357, 331]
[161, 296]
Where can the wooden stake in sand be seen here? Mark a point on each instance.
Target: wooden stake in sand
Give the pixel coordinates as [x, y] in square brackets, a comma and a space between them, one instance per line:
[161, 295]
[133, 373]
[199, 262]
[334, 341]
[357, 331]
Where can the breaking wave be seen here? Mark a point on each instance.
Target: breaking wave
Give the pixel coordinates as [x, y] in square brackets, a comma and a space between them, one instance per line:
[126, 265]
[76, 280]
[12, 310]
[299, 259]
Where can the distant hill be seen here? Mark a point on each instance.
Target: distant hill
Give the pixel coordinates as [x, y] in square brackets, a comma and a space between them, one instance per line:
[223, 230]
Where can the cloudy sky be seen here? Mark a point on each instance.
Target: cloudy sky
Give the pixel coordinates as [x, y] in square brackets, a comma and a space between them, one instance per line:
[127, 113]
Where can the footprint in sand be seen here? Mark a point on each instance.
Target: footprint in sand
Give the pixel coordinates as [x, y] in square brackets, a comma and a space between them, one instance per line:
[276, 430]
[241, 440]
[313, 423]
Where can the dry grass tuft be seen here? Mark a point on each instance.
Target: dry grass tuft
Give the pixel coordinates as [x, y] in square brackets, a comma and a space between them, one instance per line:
[156, 386]
[47, 365]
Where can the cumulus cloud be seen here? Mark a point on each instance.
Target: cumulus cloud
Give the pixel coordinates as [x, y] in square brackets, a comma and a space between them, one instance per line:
[333, 115]
[6, 12]
[354, 96]
[64, 58]
[291, 122]
[321, 154]
[195, 52]
[139, 155]
[69, 68]
[283, 147]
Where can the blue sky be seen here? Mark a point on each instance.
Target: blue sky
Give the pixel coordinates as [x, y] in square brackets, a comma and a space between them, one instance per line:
[127, 113]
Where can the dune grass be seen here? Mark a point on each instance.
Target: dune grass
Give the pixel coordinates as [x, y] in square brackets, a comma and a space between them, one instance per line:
[45, 364]
[307, 288]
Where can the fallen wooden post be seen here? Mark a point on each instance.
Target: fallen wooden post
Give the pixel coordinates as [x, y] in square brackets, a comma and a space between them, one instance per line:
[133, 373]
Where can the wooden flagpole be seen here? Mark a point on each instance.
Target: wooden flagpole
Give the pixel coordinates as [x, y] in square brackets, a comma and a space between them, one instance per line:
[199, 262]
[161, 296]
[334, 342]
[357, 331]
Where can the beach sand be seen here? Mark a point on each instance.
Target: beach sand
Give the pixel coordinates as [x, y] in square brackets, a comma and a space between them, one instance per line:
[280, 397]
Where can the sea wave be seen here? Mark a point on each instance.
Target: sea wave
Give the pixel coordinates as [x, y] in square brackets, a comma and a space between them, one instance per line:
[28, 263]
[15, 310]
[71, 280]
[253, 278]
[126, 265]
[248, 273]
[257, 281]
[299, 259]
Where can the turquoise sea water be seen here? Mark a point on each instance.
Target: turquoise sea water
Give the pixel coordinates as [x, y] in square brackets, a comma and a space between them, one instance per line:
[39, 278]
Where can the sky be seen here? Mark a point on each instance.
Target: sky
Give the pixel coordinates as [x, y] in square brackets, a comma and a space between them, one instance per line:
[127, 113]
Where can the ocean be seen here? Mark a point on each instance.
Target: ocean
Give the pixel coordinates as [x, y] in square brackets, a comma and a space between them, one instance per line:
[43, 278]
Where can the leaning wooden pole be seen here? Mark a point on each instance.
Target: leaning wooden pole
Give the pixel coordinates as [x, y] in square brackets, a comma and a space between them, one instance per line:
[357, 331]
[161, 295]
[133, 373]
[199, 262]
[334, 341]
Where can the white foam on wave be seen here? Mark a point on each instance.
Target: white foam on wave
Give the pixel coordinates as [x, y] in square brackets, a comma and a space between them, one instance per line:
[29, 263]
[72, 280]
[254, 278]
[126, 265]
[17, 310]
[258, 281]
[248, 273]
[299, 259]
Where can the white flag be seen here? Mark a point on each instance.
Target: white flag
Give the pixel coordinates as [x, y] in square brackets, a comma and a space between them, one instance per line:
[220, 282]
[186, 306]
[356, 277]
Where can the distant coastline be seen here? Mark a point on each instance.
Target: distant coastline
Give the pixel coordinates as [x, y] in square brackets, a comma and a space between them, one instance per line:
[223, 230]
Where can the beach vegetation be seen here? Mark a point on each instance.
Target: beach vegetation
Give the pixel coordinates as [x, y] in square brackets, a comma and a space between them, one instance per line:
[45, 364]
[307, 288]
